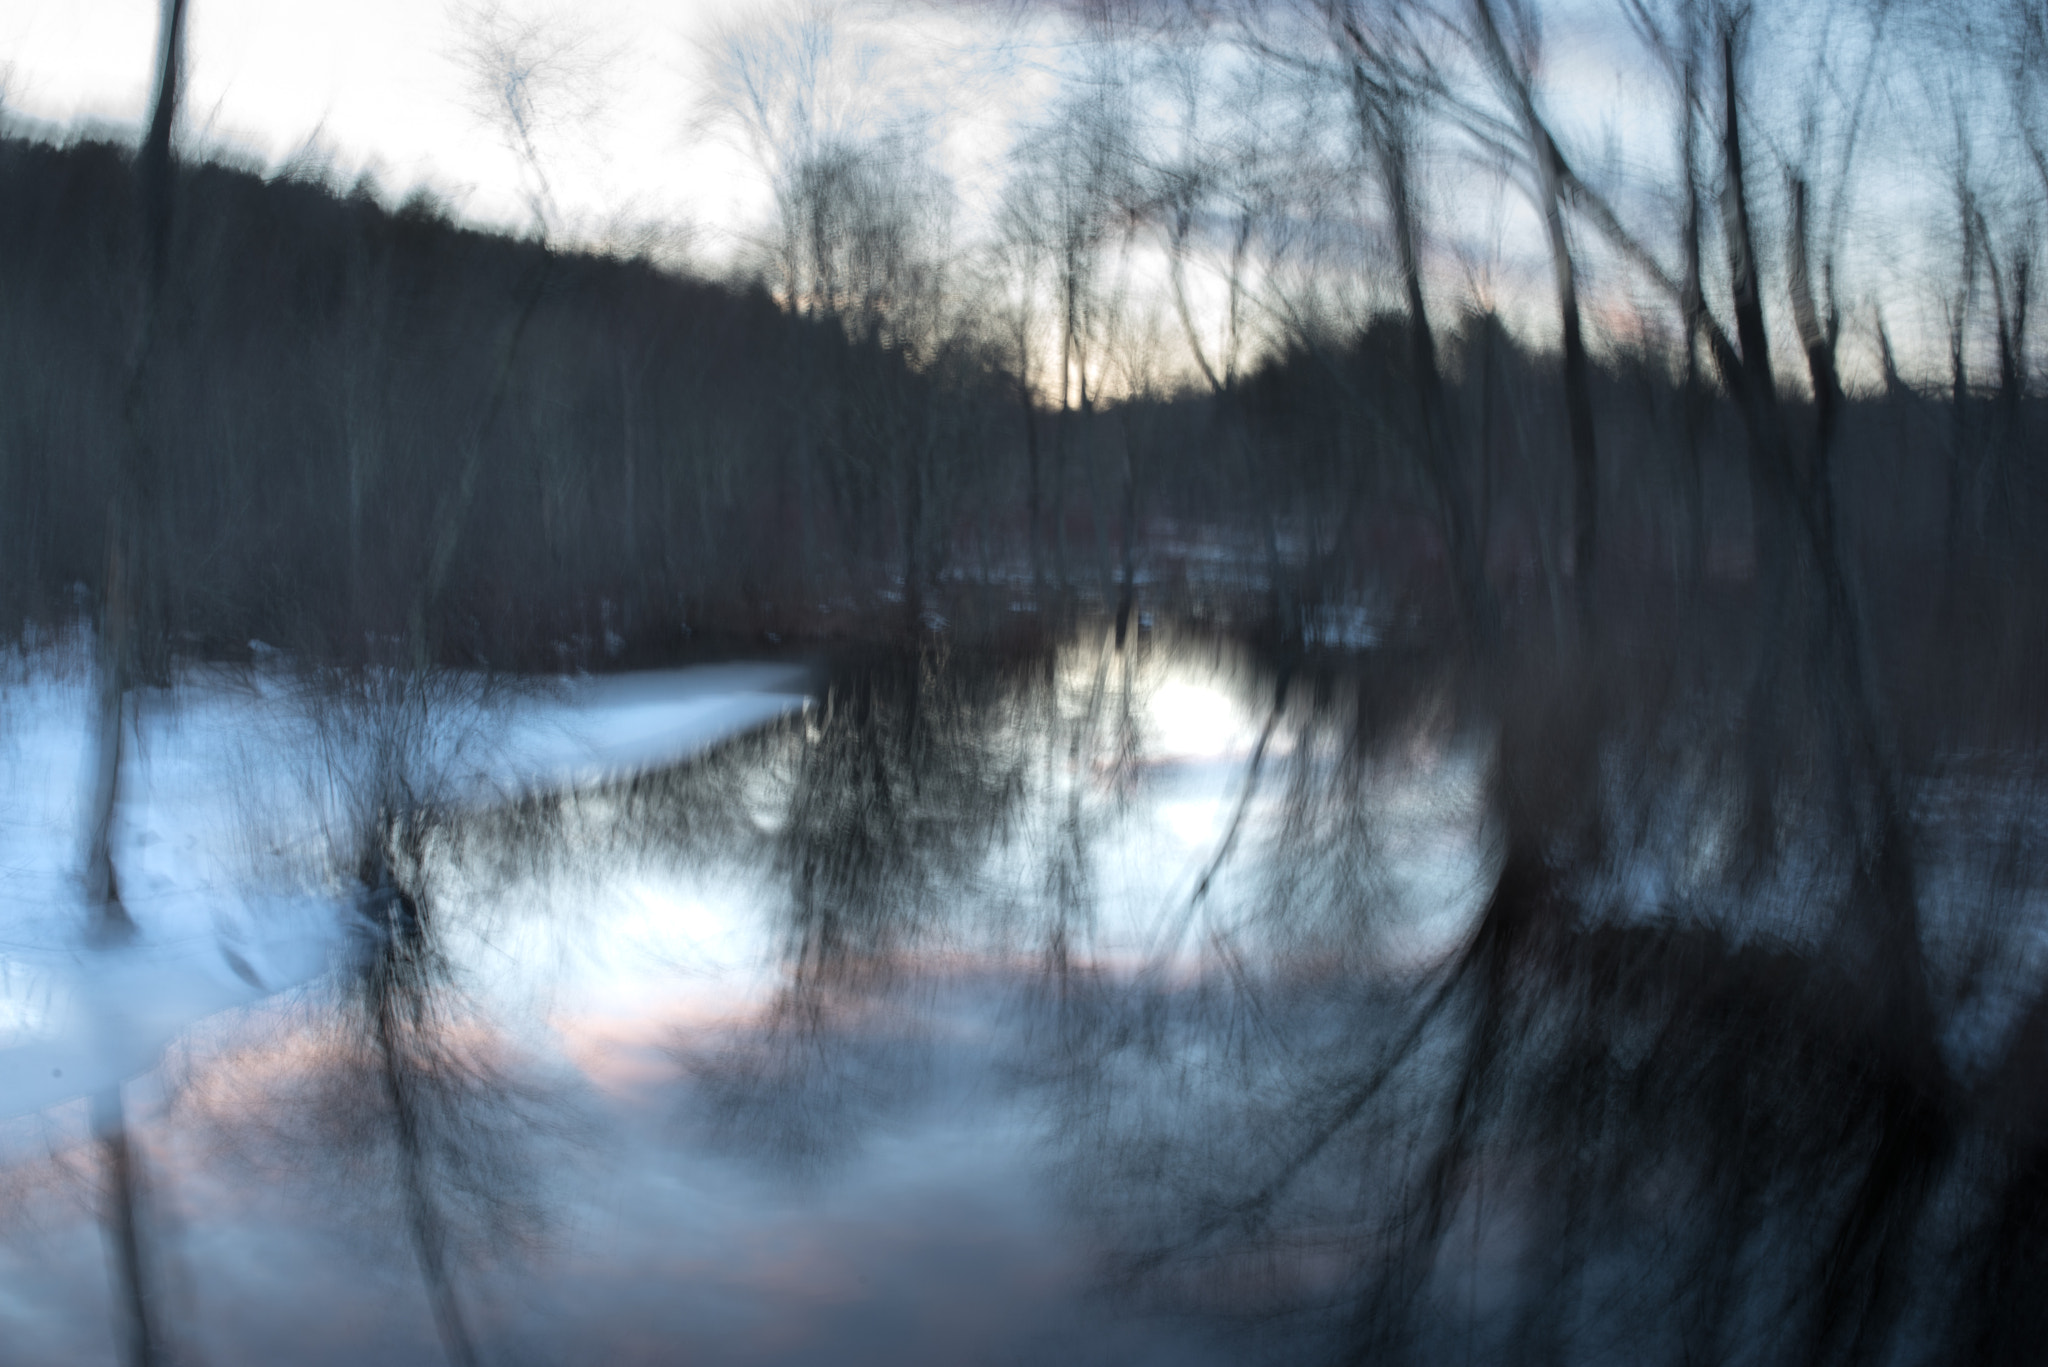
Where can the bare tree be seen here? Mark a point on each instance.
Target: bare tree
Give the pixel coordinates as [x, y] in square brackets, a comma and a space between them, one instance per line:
[1073, 209]
[529, 77]
[526, 75]
[126, 620]
[1225, 194]
[1019, 258]
[1513, 72]
[1383, 66]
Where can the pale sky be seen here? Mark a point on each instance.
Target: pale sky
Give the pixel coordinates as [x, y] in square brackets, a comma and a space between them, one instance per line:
[382, 86]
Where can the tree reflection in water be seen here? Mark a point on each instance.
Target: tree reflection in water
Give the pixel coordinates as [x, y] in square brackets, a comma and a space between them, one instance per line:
[1348, 1023]
[903, 783]
[1644, 1108]
[429, 1115]
[405, 1105]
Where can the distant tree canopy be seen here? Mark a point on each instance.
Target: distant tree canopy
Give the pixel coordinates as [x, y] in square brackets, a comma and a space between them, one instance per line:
[327, 361]
[673, 458]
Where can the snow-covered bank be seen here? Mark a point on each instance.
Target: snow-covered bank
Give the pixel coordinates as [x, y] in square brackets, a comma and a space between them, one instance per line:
[238, 794]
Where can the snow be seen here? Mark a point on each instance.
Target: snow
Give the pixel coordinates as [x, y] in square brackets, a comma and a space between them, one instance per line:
[598, 729]
[234, 822]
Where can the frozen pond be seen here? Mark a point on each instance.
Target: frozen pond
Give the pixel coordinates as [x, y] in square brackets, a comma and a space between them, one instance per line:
[936, 1006]
[759, 1056]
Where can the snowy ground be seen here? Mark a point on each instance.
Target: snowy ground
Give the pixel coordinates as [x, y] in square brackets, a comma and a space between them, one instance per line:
[234, 829]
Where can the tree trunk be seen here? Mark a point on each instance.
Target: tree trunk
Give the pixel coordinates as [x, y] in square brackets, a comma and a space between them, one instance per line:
[1691, 395]
[1578, 392]
[1384, 136]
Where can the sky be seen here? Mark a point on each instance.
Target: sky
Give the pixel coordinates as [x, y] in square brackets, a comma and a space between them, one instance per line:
[640, 145]
[634, 137]
[383, 86]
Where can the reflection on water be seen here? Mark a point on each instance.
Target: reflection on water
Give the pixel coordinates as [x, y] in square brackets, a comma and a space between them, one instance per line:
[1163, 1004]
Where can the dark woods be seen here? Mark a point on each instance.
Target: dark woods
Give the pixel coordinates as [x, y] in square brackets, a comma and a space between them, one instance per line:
[366, 416]
[364, 413]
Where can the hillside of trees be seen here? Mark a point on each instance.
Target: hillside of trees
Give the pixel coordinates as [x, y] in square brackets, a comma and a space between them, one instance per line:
[365, 414]
[342, 389]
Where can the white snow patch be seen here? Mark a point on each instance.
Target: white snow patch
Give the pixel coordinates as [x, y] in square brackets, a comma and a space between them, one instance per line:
[232, 831]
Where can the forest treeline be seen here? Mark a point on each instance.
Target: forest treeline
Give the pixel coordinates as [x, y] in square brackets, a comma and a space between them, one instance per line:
[600, 450]
[331, 369]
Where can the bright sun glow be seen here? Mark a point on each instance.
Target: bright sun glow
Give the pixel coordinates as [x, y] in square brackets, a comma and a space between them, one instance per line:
[1195, 721]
